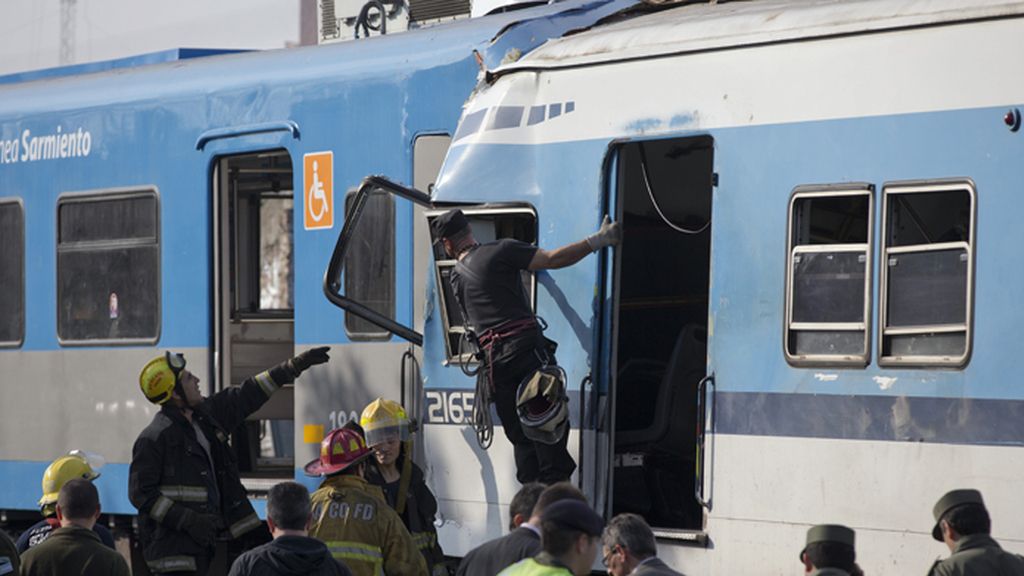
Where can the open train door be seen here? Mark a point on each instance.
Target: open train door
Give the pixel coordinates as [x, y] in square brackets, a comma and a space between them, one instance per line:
[649, 407]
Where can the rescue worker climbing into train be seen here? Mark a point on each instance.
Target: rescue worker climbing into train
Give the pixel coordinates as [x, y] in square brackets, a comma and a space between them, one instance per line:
[75, 464]
[518, 367]
[184, 477]
[351, 515]
[389, 434]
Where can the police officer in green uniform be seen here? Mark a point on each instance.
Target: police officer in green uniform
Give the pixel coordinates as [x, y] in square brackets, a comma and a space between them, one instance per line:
[571, 536]
[963, 523]
[829, 551]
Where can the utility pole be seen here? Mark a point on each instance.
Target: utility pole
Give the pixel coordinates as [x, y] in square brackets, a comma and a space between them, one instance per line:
[67, 31]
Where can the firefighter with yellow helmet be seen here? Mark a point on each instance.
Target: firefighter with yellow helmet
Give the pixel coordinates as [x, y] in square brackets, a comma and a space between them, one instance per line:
[184, 476]
[76, 464]
[389, 434]
[351, 515]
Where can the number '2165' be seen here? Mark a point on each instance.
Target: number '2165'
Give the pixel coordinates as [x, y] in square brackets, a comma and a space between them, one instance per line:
[450, 407]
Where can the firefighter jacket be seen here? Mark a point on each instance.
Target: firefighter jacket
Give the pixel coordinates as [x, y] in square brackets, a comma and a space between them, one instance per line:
[361, 530]
[419, 507]
[170, 473]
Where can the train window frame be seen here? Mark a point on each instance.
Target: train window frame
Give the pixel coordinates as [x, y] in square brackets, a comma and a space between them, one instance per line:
[353, 331]
[19, 252]
[889, 191]
[457, 356]
[154, 240]
[793, 250]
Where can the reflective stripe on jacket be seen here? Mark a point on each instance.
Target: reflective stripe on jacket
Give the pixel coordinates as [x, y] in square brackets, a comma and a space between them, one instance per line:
[170, 472]
[361, 530]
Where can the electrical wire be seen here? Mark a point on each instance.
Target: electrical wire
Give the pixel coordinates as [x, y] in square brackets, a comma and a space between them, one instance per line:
[657, 208]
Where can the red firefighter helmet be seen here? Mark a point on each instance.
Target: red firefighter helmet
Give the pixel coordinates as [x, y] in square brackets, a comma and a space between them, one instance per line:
[341, 448]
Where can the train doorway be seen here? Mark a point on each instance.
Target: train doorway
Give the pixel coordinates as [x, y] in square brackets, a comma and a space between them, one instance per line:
[663, 190]
[253, 301]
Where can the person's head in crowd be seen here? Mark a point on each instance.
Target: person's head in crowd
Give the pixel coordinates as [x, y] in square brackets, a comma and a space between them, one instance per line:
[78, 504]
[626, 542]
[554, 493]
[960, 513]
[521, 508]
[829, 546]
[571, 533]
[288, 509]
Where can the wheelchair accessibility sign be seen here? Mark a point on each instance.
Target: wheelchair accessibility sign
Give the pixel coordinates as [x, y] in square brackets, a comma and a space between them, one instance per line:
[318, 189]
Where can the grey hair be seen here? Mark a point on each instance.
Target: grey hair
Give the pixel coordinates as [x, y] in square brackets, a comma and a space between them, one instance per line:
[632, 533]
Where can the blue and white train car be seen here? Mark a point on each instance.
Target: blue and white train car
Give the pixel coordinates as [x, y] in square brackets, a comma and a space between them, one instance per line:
[813, 315]
[186, 201]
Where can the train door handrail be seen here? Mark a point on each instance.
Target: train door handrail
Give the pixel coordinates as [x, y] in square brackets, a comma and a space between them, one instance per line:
[332, 277]
[705, 425]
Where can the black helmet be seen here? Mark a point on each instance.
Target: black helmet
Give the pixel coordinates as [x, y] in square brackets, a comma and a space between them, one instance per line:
[543, 406]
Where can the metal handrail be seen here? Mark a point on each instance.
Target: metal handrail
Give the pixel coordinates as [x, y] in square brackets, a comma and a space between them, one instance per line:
[703, 426]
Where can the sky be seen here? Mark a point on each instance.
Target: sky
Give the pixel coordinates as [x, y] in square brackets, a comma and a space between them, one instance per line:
[108, 29]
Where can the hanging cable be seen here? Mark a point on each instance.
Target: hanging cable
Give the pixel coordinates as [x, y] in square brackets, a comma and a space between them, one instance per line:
[657, 208]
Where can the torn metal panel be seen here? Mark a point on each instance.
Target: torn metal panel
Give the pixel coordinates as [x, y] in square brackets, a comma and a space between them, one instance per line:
[712, 26]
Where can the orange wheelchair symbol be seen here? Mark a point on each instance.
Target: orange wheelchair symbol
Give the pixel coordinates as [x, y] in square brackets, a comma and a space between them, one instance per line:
[318, 189]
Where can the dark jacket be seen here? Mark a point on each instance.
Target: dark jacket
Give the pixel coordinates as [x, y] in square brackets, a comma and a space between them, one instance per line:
[9, 559]
[493, 556]
[41, 530]
[289, 556]
[419, 511]
[73, 551]
[654, 567]
[979, 555]
[170, 473]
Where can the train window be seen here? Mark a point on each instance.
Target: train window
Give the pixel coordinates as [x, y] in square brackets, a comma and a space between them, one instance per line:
[108, 267]
[12, 272]
[927, 273]
[488, 224]
[828, 294]
[370, 264]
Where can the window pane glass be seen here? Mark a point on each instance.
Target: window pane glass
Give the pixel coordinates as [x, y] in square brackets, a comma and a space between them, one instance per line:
[828, 286]
[109, 293]
[813, 342]
[929, 217]
[450, 304]
[370, 263]
[277, 274]
[831, 220]
[12, 272]
[113, 219]
[933, 344]
[927, 288]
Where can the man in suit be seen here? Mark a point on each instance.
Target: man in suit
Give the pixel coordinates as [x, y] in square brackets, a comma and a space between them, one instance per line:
[629, 548]
[523, 541]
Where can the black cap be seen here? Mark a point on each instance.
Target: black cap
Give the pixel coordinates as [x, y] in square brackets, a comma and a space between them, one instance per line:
[574, 515]
[448, 224]
[951, 500]
[828, 533]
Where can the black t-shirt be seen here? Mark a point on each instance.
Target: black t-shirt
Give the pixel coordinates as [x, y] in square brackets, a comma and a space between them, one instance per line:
[489, 284]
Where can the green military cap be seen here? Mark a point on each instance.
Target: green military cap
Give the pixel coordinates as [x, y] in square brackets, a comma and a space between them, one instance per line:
[828, 533]
[951, 500]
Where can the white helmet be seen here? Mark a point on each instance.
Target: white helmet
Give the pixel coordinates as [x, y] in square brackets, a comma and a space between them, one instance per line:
[542, 405]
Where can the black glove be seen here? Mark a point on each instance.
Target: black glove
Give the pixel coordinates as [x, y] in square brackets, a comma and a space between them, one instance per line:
[202, 528]
[309, 358]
